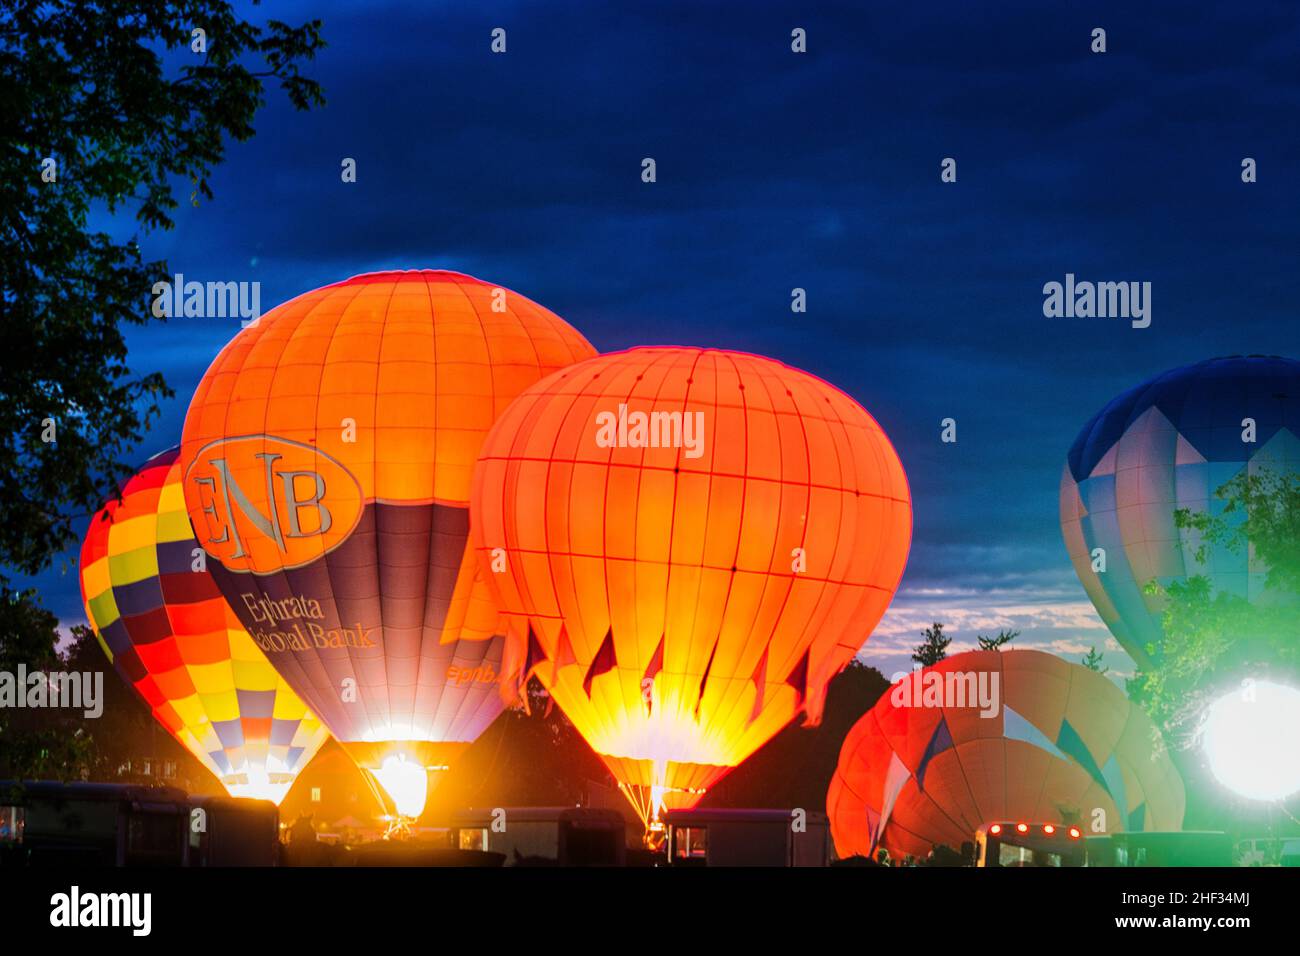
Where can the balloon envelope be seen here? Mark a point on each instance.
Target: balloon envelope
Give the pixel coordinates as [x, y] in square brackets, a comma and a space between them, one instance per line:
[1062, 743]
[1167, 444]
[689, 544]
[170, 634]
[328, 453]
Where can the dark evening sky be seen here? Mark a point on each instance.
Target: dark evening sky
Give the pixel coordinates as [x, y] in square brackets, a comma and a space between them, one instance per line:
[819, 171]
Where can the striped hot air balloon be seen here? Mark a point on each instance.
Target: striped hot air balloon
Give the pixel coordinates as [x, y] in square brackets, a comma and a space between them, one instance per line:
[1167, 444]
[328, 452]
[931, 762]
[171, 635]
[689, 544]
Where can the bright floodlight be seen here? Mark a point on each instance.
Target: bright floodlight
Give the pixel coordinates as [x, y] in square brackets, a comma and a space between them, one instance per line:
[1251, 741]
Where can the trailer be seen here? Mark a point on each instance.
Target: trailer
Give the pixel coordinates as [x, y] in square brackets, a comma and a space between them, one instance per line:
[544, 836]
[758, 837]
[230, 831]
[51, 824]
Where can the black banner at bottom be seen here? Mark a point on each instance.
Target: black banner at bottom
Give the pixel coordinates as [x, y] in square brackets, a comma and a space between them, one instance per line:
[405, 906]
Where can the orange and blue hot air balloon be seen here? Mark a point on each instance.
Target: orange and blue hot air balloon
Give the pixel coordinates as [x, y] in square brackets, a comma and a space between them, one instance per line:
[328, 453]
[689, 544]
[170, 634]
[948, 750]
[1169, 444]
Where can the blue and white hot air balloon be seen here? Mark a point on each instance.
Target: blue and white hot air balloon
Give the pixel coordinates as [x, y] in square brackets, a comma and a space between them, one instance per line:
[1167, 444]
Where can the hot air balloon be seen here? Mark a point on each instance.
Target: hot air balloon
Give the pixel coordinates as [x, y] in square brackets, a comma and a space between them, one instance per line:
[328, 452]
[930, 763]
[163, 623]
[1167, 444]
[688, 544]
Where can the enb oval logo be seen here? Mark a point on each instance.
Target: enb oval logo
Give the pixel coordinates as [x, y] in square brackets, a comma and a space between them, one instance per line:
[267, 503]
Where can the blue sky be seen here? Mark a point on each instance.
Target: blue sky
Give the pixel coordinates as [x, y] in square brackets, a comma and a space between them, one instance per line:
[818, 171]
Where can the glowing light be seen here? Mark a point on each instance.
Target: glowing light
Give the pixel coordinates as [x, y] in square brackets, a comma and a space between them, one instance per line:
[406, 782]
[1074, 833]
[657, 802]
[270, 780]
[995, 829]
[671, 732]
[1048, 829]
[1022, 827]
[263, 789]
[1249, 740]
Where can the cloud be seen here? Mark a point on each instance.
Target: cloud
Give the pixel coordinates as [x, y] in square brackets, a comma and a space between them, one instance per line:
[1046, 621]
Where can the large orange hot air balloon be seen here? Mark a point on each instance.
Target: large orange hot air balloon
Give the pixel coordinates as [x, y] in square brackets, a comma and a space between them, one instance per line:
[170, 634]
[689, 544]
[328, 453]
[987, 736]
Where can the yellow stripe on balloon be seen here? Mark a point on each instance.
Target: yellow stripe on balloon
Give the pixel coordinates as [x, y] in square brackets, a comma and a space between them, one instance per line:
[222, 706]
[174, 525]
[132, 533]
[190, 710]
[254, 675]
[102, 610]
[290, 706]
[95, 577]
[242, 648]
[210, 678]
[130, 567]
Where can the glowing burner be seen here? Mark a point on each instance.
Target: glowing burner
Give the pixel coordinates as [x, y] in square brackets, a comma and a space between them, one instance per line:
[406, 783]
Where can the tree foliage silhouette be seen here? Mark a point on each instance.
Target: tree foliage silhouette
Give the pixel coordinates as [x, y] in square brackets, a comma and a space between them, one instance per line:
[1092, 660]
[934, 648]
[995, 643]
[107, 108]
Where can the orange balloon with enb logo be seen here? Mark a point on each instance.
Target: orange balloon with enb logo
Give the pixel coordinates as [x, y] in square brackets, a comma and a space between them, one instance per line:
[327, 456]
